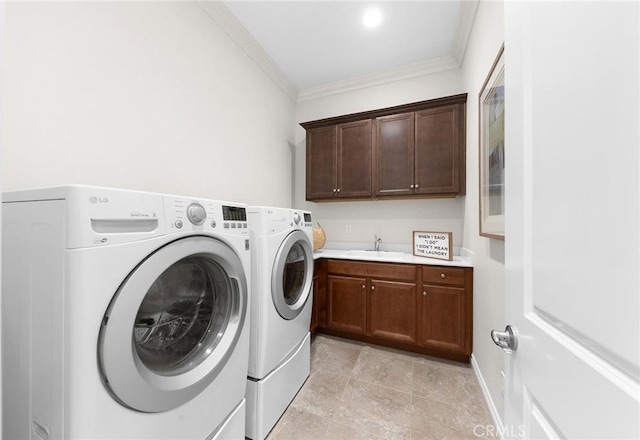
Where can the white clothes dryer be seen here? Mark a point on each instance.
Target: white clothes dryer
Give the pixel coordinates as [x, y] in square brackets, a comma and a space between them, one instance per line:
[125, 315]
[282, 278]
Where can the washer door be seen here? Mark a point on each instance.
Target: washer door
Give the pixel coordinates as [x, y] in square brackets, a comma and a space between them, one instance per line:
[292, 275]
[172, 324]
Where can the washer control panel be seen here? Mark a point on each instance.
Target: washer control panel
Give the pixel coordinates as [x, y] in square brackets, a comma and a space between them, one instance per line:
[184, 214]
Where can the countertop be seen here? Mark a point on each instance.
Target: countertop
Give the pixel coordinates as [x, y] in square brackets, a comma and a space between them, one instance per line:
[391, 257]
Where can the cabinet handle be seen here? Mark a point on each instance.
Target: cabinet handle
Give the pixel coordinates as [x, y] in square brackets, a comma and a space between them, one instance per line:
[412, 186]
[424, 293]
[373, 287]
[363, 286]
[442, 275]
[416, 185]
[338, 189]
[334, 190]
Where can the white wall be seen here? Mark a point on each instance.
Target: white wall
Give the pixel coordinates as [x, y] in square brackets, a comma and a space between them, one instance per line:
[392, 220]
[488, 255]
[140, 95]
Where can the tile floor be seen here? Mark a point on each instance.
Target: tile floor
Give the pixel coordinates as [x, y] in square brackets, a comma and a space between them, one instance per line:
[360, 391]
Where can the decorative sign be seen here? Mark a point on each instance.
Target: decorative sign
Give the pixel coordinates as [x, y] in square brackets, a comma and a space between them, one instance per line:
[433, 245]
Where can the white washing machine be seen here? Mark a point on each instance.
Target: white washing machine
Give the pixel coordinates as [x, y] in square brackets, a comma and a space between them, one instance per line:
[282, 278]
[125, 315]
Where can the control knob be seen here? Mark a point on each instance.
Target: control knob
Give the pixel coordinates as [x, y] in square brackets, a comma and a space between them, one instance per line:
[196, 214]
[296, 218]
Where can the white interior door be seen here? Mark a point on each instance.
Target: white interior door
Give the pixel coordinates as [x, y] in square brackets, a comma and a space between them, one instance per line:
[572, 212]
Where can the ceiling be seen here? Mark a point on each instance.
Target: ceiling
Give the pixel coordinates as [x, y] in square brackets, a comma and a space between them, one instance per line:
[323, 44]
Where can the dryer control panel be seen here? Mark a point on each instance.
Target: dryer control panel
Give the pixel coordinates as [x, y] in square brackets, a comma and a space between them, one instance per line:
[267, 220]
[307, 219]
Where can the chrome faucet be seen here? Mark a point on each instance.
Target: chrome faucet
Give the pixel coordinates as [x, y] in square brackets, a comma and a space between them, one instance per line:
[376, 243]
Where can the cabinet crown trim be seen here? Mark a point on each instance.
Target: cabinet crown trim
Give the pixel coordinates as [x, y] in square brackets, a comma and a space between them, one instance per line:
[411, 107]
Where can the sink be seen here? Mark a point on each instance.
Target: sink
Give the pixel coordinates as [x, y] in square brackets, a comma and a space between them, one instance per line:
[377, 255]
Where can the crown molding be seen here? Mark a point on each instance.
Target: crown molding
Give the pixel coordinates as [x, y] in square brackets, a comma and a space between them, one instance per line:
[221, 15]
[379, 78]
[466, 18]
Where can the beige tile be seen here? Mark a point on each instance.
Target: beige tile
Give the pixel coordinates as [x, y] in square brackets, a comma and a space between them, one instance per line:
[334, 340]
[296, 424]
[321, 393]
[425, 359]
[477, 404]
[359, 391]
[334, 356]
[444, 382]
[389, 369]
[390, 352]
[436, 420]
[338, 431]
[376, 410]
[337, 340]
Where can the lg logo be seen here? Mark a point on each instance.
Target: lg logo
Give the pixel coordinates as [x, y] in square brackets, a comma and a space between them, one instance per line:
[94, 199]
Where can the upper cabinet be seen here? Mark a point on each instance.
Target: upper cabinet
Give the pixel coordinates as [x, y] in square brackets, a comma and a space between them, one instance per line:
[394, 156]
[321, 160]
[339, 161]
[413, 150]
[440, 151]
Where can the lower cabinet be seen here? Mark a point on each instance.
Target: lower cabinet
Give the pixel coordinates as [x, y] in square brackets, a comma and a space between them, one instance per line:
[347, 304]
[443, 323]
[447, 308]
[392, 310]
[427, 309]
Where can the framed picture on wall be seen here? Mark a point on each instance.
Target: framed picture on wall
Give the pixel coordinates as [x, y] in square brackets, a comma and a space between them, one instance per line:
[491, 131]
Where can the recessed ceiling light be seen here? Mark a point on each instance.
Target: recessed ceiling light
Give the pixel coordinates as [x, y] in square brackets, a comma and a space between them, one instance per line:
[372, 17]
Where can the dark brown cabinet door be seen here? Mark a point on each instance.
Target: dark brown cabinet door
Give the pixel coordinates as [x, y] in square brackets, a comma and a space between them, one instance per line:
[354, 159]
[438, 151]
[392, 310]
[393, 155]
[346, 303]
[321, 163]
[444, 318]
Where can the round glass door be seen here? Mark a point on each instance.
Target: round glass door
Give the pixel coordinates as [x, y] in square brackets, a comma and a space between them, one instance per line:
[188, 307]
[292, 275]
[173, 324]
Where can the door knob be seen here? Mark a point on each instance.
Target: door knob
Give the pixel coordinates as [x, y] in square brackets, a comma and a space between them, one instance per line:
[507, 340]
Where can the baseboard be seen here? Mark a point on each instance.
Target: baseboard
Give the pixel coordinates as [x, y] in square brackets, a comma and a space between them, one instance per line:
[497, 420]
